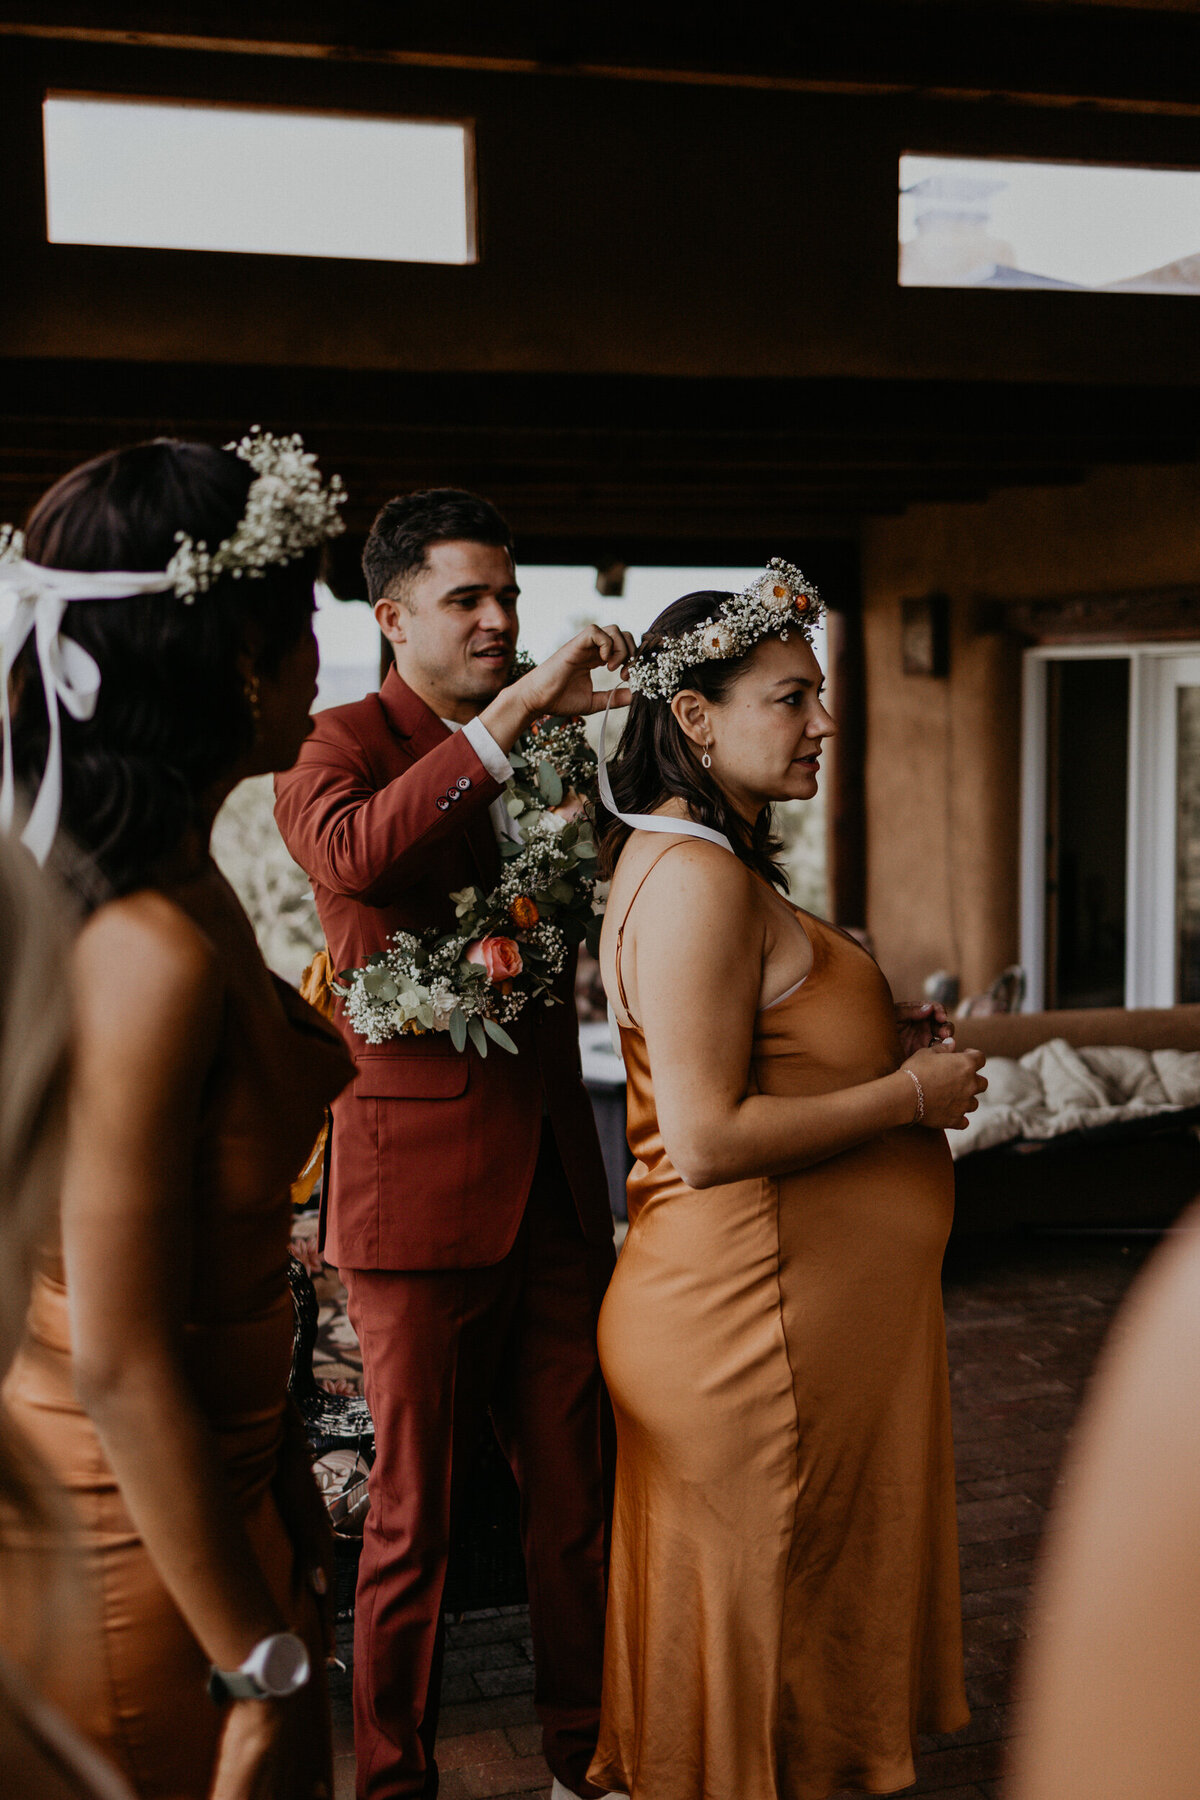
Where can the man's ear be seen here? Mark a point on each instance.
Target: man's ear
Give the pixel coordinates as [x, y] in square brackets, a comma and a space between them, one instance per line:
[390, 618]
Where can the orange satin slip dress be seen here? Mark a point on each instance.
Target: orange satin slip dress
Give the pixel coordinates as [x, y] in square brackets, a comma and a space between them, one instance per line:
[784, 1612]
[133, 1678]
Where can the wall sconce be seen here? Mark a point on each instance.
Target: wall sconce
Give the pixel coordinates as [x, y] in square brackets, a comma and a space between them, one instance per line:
[925, 635]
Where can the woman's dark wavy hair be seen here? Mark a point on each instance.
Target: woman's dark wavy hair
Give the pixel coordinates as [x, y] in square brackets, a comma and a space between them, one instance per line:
[655, 761]
[172, 718]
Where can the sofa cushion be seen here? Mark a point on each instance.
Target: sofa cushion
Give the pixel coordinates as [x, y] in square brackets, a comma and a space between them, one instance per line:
[1055, 1090]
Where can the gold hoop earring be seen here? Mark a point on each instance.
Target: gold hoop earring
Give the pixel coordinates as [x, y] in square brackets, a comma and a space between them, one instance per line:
[250, 687]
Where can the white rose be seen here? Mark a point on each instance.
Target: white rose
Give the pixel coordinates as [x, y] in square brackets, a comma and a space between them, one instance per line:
[443, 1001]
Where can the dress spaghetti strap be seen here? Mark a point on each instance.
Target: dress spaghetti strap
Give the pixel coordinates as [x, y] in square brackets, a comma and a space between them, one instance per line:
[646, 873]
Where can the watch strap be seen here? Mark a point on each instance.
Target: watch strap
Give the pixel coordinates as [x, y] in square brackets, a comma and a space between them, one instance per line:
[234, 1684]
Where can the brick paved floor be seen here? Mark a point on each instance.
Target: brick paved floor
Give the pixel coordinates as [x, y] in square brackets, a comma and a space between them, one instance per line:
[1024, 1319]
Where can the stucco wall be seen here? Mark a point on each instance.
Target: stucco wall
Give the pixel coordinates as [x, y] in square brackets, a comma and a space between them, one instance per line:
[943, 756]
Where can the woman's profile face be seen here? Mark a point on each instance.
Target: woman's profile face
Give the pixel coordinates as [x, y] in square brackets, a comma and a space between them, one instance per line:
[285, 701]
[768, 733]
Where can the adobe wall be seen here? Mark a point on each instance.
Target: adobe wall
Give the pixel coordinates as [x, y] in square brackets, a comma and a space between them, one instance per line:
[943, 756]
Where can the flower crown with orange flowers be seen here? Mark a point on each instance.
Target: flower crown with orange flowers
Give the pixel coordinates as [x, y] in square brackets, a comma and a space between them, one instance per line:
[782, 599]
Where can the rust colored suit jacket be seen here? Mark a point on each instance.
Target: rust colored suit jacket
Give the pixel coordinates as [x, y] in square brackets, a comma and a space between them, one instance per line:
[433, 1149]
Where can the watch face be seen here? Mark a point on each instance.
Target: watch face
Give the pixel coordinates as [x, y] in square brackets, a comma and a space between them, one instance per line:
[284, 1665]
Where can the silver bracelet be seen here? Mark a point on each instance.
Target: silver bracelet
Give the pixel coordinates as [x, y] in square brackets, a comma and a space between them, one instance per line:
[916, 1081]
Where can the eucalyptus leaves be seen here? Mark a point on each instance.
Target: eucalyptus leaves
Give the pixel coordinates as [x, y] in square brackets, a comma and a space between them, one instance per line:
[507, 946]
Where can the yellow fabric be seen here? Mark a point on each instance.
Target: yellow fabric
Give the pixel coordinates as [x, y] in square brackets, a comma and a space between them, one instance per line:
[316, 984]
[310, 1174]
[315, 987]
[784, 1603]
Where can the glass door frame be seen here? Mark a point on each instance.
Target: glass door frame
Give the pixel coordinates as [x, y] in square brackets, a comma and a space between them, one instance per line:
[1150, 816]
[1153, 821]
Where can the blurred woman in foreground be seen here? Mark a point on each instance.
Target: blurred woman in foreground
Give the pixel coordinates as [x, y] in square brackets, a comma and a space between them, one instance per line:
[40, 1753]
[1111, 1681]
[160, 626]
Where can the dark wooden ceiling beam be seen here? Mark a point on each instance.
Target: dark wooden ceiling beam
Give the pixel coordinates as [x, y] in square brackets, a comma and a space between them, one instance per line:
[591, 457]
[1113, 57]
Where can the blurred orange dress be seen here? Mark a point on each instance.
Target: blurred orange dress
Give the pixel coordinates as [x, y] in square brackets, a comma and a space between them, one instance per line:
[783, 1613]
[132, 1679]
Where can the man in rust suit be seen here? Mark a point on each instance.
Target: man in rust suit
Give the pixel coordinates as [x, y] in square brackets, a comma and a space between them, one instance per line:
[468, 1211]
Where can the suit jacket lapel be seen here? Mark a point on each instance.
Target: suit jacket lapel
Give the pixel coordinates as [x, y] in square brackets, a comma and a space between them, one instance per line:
[409, 717]
[423, 731]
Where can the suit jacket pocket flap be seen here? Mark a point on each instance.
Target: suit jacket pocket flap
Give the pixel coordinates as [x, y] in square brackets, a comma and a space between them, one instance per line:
[411, 1077]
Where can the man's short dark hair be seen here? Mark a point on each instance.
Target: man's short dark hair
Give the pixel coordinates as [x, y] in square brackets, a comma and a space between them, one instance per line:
[403, 530]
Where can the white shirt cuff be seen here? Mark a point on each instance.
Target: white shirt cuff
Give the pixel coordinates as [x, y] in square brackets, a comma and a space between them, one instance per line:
[487, 750]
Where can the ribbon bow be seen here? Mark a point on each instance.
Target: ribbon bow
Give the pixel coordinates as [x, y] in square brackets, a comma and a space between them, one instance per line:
[33, 601]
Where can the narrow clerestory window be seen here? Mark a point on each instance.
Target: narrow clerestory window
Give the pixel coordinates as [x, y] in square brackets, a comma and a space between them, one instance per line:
[1081, 227]
[267, 181]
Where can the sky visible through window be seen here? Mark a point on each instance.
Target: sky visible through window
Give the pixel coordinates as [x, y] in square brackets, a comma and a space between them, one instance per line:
[966, 222]
[165, 175]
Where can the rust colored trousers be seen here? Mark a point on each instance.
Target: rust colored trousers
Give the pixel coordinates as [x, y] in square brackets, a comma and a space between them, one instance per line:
[439, 1348]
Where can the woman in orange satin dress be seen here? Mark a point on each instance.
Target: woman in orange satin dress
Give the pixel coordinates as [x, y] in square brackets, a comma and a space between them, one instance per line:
[784, 1606]
[153, 1374]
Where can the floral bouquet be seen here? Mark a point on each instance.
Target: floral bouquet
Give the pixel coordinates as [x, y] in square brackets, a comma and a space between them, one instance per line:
[509, 945]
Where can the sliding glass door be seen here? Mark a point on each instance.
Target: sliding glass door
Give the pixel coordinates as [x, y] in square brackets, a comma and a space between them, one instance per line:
[1110, 880]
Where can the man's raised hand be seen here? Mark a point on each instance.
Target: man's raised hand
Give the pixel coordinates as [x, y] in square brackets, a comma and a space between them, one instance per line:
[562, 684]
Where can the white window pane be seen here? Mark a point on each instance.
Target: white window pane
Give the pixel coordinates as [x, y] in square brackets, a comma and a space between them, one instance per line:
[965, 222]
[164, 175]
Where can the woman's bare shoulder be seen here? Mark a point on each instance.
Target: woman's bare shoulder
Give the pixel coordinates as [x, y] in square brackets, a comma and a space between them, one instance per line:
[688, 872]
[148, 949]
[671, 901]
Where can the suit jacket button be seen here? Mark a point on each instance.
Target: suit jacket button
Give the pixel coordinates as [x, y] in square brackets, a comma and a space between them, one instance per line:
[443, 803]
[464, 782]
[453, 794]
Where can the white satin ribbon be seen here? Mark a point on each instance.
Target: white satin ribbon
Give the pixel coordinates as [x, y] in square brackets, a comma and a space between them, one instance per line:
[648, 821]
[33, 600]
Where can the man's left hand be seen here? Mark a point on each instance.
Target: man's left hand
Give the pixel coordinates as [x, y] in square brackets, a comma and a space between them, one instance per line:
[562, 684]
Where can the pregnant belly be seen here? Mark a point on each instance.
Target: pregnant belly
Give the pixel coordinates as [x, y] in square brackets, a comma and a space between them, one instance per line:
[892, 1197]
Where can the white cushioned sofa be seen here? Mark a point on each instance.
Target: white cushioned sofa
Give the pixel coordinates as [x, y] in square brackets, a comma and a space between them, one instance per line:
[1124, 1151]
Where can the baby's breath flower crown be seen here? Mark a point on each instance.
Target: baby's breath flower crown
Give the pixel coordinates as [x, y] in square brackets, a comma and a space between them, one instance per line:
[780, 600]
[288, 510]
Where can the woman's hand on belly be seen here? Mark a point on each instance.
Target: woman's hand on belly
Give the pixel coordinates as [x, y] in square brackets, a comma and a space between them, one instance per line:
[921, 1023]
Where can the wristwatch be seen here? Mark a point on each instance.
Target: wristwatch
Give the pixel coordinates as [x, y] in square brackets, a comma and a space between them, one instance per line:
[275, 1668]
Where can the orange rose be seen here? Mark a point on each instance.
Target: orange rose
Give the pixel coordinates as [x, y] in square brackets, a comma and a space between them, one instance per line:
[498, 956]
[523, 913]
